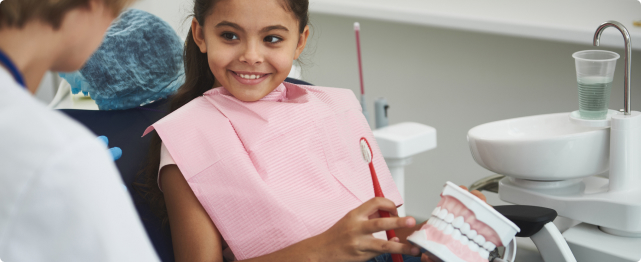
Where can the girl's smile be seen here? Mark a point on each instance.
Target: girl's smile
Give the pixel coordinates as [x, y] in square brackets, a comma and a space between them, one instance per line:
[249, 78]
[250, 45]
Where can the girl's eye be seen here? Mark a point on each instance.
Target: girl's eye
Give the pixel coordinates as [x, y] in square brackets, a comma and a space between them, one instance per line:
[229, 36]
[272, 39]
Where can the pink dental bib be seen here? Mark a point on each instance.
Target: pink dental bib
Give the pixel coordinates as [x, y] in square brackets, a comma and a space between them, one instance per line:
[276, 171]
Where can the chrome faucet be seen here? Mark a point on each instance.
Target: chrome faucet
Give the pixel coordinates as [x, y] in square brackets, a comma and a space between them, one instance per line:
[628, 58]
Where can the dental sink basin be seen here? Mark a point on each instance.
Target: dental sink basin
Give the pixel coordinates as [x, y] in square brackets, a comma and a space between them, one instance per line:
[543, 147]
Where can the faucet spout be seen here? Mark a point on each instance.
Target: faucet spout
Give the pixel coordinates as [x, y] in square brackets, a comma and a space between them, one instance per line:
[628, 58]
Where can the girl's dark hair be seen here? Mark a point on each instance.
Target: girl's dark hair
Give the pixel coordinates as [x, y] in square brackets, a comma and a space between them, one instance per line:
[198, 80]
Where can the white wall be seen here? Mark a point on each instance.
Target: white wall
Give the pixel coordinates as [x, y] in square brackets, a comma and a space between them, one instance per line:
[452, 80]
[175, 12]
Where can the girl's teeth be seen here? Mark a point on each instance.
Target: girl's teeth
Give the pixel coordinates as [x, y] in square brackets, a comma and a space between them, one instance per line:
[249, 76]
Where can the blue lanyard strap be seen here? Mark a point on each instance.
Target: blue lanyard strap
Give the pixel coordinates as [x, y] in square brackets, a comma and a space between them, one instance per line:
[4, 59]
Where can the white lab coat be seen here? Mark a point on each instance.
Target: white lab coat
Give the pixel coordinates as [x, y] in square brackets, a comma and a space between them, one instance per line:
[61, 198]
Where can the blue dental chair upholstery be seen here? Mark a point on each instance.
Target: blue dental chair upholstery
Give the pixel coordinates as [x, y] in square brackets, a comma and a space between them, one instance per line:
[124, 129]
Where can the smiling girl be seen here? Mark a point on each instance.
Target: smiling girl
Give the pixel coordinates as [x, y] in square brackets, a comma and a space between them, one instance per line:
[253, 168]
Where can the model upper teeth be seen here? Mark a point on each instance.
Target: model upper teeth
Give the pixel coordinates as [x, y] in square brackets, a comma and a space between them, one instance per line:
[449, 218]
[465, 228]
[489, 246]
[249, 76]
[479, 240]
[441, 214]
[436, 210]
[472, 234]
[459, 230]
[458, 222]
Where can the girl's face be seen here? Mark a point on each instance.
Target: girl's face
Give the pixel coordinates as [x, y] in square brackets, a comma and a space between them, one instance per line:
[250, 45]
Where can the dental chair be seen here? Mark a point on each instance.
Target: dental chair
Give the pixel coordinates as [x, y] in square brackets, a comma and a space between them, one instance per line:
[124, 129]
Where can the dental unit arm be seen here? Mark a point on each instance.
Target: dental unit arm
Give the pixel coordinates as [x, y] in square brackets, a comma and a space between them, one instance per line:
[536, 223]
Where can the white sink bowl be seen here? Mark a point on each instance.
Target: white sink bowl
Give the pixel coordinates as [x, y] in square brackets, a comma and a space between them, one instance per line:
[543, 147]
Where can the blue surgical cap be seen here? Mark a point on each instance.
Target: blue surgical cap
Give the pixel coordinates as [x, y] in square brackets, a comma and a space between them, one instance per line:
[139, 61]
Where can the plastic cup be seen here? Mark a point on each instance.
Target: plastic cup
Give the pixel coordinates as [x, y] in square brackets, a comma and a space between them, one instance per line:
[594, 74]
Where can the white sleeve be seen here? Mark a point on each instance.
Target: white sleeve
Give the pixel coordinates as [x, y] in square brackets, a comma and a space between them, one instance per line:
[76, 208]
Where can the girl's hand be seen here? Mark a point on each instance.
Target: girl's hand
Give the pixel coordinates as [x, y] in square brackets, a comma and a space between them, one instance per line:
[350, 239]
[476, 193]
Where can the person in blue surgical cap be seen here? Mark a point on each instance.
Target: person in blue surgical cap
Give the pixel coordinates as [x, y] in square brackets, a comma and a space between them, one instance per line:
[139, 61]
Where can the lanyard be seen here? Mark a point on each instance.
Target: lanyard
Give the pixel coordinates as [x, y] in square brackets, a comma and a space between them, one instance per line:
[4, 59]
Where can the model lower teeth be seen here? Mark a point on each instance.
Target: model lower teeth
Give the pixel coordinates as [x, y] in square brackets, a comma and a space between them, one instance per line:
[463, 228]
[473, 246]
[456, 234]
[461, 231]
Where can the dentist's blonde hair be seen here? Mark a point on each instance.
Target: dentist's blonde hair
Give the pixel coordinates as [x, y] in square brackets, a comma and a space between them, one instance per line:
[17, 13]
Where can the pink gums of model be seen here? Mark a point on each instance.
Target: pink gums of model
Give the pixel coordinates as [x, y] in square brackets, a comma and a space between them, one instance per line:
[463, 228]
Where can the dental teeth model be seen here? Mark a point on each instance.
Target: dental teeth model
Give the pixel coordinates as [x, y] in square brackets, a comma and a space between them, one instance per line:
[463, 228]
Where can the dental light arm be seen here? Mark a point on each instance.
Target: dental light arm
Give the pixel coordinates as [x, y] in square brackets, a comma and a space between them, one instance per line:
[536, 223]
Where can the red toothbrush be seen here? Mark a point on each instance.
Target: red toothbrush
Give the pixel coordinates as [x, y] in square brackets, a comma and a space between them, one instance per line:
[378, 192]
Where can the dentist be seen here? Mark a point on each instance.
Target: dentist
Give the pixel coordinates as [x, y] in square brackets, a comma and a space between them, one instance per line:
[61, 197]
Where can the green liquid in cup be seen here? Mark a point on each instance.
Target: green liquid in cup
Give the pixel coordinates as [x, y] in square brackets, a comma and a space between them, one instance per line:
[594, 95]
